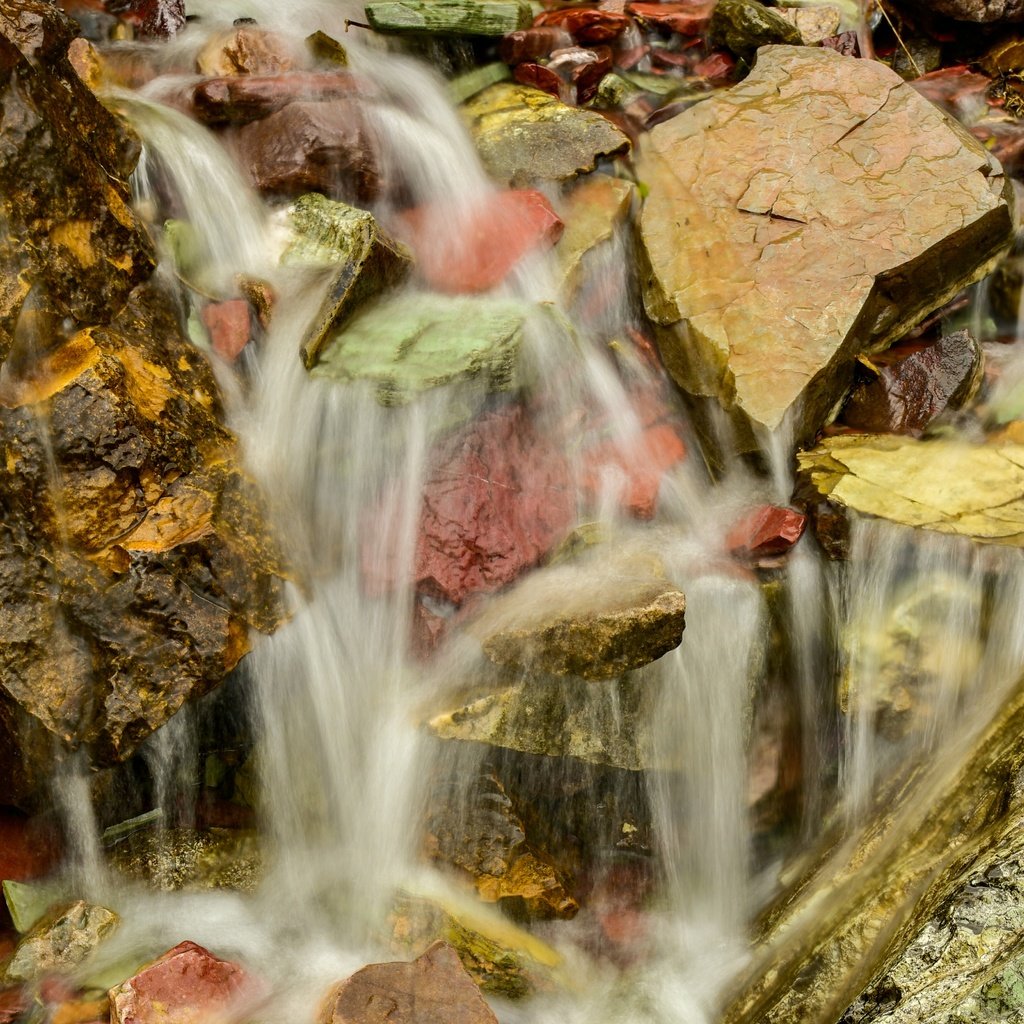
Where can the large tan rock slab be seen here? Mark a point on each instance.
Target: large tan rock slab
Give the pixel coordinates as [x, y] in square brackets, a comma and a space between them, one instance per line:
[949, 486]
[432, 989]
[816, 210]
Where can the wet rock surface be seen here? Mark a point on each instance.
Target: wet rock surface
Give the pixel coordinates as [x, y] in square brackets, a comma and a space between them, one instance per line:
[60, 942]
[432, 989]
[449, 17]
[848, 224]
[524, 135]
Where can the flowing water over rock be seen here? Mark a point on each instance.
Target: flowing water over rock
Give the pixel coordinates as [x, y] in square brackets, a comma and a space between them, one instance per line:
[559, 696]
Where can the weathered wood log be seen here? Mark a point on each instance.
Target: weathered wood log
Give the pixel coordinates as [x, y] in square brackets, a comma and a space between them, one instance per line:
[848, 915]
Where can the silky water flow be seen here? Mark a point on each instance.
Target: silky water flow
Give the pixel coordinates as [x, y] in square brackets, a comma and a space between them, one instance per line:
[920, 630]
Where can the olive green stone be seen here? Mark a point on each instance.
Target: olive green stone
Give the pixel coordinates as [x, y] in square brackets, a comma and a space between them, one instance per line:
[449, 17]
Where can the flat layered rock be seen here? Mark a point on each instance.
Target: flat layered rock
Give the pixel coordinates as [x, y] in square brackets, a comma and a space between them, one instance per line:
[449, 17]
[817, 210]
[950, 486]
[524, 135]
[594, 621]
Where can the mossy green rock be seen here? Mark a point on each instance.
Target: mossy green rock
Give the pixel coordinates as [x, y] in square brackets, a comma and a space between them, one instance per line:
[414, 342]
[524, 135]
[449, 17]
[744, 25]
[349, 241]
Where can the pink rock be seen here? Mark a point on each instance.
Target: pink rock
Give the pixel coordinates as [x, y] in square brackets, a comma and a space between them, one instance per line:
[187, 985]
[496, 501]
[766, 530]
[433, 989]
[229, 326]
[487, 243]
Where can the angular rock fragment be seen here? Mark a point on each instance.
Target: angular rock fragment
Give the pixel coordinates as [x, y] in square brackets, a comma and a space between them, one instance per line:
[449, 17]
[788, 228]
[364, 260]
[766, 530]
[524, 135]
[244, 50]
[914, 384]
[432, 989]
[412, 342]
[595, 618]
[61, 941]
[185, 985]
[950, 486]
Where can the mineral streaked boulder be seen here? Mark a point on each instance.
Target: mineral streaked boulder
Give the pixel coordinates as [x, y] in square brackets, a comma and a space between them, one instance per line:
[433, 989]
[65, 162]
[188, 983]
[61, 941]
[524, 135]
[479, 833]
[950, 486]
[603, 723]
[449, 17]
[816, 210]
[133, 554]
[595, 619]
[365, 261]
[412, 342]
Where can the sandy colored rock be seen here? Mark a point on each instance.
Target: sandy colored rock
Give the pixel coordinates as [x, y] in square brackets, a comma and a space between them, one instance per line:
[816, 210]
[432, 989]
[595, 619]
[61, 941]
[950, 486]
[524, 135]
[813, 23]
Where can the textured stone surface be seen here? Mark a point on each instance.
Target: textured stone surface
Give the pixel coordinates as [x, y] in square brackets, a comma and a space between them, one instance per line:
[186, 985]
[61, 941]
[950, 486]
[744, 25]
[817, 209]
[524, 135]
[432, 989]
[413, 342]
[595, 619]
[592, 212]
[350, 243]
[244, 50]
[978, 10]
[449, 17]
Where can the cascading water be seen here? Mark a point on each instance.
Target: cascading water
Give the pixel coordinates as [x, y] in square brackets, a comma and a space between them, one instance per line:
[339, 696]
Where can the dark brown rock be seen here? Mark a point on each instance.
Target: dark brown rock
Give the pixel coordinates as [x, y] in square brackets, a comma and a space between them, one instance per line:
[312, 147]
[977, 10]
[68, 231]
[239, 99]
[910, 385]
[433, 989]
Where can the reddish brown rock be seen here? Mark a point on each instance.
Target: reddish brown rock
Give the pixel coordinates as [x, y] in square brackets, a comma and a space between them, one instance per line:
[766, 530]
[585, 24]
[531, 44]
[912, 384]
[13, 1003]
[245, 50]
[433, 989]
[540, 77]
[239, 99]
[845, 43]
[717, 67]
[229, 326]
[686, 18]
[312, 147]
[27, 850]
[156, 19]
[186, 985]
[493, 237]
[496, 501]
[581, 69]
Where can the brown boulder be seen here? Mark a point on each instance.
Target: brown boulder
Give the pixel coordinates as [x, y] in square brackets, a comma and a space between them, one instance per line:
[312, 147]
[239, 99]
[433, 989]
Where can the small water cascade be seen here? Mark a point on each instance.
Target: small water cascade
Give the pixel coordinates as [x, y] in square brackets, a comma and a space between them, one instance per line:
[744, 720]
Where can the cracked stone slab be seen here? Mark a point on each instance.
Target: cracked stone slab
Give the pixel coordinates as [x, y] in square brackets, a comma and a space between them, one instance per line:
[816, 210]
[949, 486]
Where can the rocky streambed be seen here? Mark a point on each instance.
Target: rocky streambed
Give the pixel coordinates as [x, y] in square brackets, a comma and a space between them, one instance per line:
[547, 523]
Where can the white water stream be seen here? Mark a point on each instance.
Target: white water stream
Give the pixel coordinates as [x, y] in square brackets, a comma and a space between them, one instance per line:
[337, 694]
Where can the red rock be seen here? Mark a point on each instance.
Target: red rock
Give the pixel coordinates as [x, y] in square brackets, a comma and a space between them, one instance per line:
[428, 630]
[492, 237]
[586, 24]
[230, 327]
[628, 59]
[766, 530]
[27, 850]
[13, 1003]
[716, 67]
[914, 383]
[582, 69]
[311, 147]
[239, 99]
[540, 77]
[186, 985]
[433, 989]
[687, 18]
[532, 44]
[495, 503]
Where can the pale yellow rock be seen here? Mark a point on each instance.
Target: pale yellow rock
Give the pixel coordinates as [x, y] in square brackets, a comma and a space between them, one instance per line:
[813, 23]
